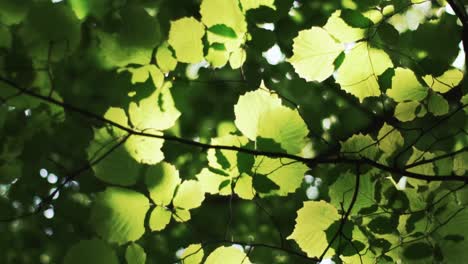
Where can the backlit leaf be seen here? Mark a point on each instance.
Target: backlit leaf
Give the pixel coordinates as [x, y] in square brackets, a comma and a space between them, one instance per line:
[311, 222]
[118, 215]
[314, 52]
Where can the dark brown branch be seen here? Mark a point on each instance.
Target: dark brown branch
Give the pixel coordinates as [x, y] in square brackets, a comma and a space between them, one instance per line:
[311, 162]
[346, 214]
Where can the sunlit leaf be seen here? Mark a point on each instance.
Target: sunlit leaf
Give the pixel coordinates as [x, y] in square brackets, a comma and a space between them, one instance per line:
[160, 218]
[185, 37]
[260, 114]
[314, 52]
[311, 222]
[406, 111]
[276, 169]
[362, 81]
[162, 180]
[390, 139]
[227, 255]
[252, 4]
[165, 58]
[360, 145]
[193, 254]
[406, 87]
[118, 215]
[155, 112]
[189, 195]
[444, 82]
[340, 30]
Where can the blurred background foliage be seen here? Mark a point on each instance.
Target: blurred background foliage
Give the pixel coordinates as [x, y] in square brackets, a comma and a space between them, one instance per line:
[82, 53]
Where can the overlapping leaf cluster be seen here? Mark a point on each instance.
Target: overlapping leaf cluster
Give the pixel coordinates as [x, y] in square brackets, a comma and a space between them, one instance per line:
[164, 131]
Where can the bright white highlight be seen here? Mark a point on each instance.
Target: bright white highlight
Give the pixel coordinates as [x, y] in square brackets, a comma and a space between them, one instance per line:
[49, 213]
[312, 193]
[309, 179]
[43, 173]
[274, 55]
[52, 178]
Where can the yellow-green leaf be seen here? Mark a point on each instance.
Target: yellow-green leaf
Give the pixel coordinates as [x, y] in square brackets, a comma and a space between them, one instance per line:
[311, 222]
[135, 254]
[361, 81]
[406, 111]
[314, 52]
[185, 36]
[227, 255]
[405, 86]
[260, 114]
[445, 82]
[160, 218]
[189, 195]
[252, 4]
[162, 181]
[193, 254]
[285, 173]
[165, 58]
[341, 31]
[390, 139]
[118, 215]
[155, 112]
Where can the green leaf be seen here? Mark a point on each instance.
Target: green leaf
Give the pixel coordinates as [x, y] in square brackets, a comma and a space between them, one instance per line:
[227, 255]
[341, 192]
[263, 184]
[419, 156]
[162, 181]
[165, 59]
[222, 160]
[382, 225]
[342, 31]
[92, 251]
[118, 166]
[218, 46]
[276, 169]
[418, 251]
[224, 184]
[390, 139]
[155, 112]
[118, 215]
[189, 195]
[312, 238]
[245, 161]
[360, 145]
[406, 111]
[314, 52]
[223, 30]
[355, 19]
[437, 105]
[160, 218]
[185, 37]
[362, 81]
[445, 82]
[388, 33]
[460, 163]
[135, 254]
[193, 254]
[253, 4]
[405, 87]
[260, 114]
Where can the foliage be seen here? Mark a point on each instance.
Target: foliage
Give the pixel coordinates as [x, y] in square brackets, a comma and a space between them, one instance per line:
[233, 131]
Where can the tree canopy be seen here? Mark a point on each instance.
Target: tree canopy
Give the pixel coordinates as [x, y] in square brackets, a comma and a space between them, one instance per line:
[233, 131]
